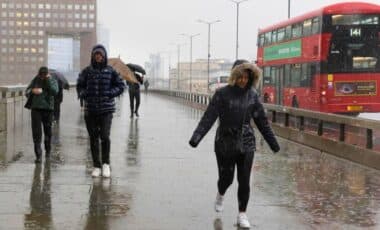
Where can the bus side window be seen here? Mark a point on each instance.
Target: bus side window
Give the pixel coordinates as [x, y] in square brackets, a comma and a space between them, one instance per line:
[313, 72]
[288, 32]
[315, 26]
[280, 34]
[295, 75]
[268, 37]
[287, 76]
[274, 36]
[261, 40]
[307, 27]
[297, 30]
[266, 78]
[305, 75]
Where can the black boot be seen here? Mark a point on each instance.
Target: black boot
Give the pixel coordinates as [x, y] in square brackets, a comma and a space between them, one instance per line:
[131, 115]
[137, 113]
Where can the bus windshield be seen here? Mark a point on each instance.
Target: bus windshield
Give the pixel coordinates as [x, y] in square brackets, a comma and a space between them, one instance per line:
[355, 48]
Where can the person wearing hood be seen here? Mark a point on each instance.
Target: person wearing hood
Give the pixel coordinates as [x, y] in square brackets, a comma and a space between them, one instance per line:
[40, 93]
[235, 105]
[134, 93]
[98, 84]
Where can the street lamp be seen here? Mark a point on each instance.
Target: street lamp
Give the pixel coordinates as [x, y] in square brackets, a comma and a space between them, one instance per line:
[178, 62]
[209, 23]
[191, 53]
[288, 8]
[237, 24]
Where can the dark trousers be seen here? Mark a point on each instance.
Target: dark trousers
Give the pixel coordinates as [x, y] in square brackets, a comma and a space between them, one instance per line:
[41, 118]
[132, 96]
[99, 127]
[57, 111]
[226, 169]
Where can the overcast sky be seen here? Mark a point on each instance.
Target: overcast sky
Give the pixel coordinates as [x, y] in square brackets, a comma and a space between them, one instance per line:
[141, 27]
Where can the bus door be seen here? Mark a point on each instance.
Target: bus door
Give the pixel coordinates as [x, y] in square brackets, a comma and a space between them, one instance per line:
[278, 77]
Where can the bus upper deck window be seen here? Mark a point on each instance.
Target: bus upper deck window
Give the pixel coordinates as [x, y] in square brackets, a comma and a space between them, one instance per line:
[280, 34]
[274, 36]
[307, 27]
[288, 32]
[296, 30]
[315, 26]
[268, 38]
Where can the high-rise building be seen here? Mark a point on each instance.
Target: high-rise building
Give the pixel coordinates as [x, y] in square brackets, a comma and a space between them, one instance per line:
[29, 29]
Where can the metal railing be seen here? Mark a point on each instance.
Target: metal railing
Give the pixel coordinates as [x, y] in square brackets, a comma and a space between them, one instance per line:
[352, 138]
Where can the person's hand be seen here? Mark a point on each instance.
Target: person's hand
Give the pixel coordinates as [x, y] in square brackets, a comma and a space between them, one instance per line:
[37, 91]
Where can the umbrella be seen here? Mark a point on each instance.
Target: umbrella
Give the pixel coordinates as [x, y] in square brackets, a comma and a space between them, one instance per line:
[136, 68]
[62, 81]
[122, 69]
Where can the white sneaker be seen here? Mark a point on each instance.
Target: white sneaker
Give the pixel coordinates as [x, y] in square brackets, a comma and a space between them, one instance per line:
[219, 203]
[242, 220]
[96, 172]
[106, 172]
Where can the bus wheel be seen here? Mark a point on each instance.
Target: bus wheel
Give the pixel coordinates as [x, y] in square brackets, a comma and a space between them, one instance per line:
[295, 102]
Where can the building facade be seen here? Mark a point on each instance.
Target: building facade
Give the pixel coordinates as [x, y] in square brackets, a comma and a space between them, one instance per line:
[30, 28]
[198, 81]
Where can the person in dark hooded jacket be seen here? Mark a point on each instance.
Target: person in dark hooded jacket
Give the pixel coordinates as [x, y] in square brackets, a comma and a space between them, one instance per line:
[235, 105]
[98, 84]
[40, 93]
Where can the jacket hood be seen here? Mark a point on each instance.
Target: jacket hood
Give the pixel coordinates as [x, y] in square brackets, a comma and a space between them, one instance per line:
[238, 70]
[100, 48]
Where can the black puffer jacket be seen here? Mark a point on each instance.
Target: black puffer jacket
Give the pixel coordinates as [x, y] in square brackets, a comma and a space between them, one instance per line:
[231, 105]
[98, 85]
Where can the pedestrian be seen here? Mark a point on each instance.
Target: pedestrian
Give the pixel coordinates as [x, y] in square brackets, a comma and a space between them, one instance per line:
[98, 84]
[40, 93]
[146, 85]
[235, 105]
[134, 94]
[58, 99]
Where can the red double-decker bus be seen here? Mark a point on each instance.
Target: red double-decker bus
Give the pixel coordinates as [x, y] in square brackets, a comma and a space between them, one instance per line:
[326, 60]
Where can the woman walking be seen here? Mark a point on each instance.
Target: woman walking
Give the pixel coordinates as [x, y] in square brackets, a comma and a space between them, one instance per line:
[235, 105]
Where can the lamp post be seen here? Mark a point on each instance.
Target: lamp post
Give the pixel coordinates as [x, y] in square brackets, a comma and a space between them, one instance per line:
[178, 62]
[288, 8]
[209, 23]
[237, 24]
[190, 36]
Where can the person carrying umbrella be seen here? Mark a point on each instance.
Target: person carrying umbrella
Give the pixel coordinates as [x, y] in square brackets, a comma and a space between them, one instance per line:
[98, 84]
[134, 88]
[62, 84]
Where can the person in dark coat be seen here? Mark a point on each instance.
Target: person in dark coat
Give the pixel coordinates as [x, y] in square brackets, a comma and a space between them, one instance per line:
[58, 99]
[98, 84]
[146, 85]
[235, 105]
[134, 93]
[40, 93]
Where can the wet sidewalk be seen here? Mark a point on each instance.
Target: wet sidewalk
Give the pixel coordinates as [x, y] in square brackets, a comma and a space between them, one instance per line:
[159, 182]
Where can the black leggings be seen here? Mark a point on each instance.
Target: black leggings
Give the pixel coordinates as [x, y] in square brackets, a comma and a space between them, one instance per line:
[226, 169]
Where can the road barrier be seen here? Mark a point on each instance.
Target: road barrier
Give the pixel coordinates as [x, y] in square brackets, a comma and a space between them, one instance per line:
[351, 138]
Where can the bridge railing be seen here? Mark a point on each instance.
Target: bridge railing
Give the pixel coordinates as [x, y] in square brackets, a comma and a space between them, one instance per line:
[352, 138]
